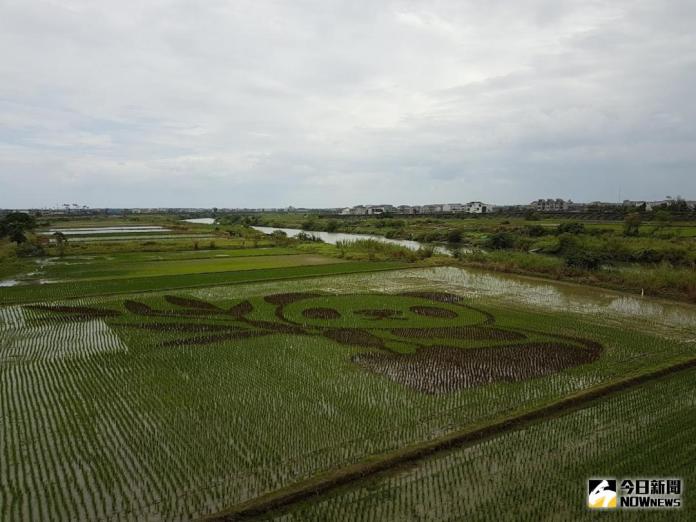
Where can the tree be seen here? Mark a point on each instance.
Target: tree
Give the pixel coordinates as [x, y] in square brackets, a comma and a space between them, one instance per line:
[15, 224]
[662, 219]
[583, 259]
[16, 233]
[531, 215]
[279, 237]
[332, 225]
[61, 242]
[632, 223]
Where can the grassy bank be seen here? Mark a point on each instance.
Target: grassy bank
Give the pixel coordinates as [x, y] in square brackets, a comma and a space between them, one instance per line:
[661, 280]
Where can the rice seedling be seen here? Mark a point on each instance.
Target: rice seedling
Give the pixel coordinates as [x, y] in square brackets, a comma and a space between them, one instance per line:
[158, 405]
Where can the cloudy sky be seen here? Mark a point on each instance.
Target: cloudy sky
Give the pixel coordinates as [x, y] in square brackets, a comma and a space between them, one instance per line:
[234, 103]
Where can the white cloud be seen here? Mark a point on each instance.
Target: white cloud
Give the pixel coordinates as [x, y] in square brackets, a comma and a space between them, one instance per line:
[260, 103]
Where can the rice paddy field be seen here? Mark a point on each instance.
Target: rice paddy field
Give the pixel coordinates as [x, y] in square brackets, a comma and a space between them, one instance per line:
[150, 387]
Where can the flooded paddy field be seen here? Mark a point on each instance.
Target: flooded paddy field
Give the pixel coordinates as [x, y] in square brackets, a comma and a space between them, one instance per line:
[176, 387]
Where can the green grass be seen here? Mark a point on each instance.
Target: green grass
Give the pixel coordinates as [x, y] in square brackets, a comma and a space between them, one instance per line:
[143, 256]
[77, 270]
[539, 472]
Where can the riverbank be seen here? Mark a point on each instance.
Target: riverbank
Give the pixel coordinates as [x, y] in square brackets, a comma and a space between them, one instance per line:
[657, 259]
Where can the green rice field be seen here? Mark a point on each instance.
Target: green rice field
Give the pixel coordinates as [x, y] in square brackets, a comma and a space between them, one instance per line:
[175, 397]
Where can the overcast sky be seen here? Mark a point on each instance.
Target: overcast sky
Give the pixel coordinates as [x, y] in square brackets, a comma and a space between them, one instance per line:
[234, 103]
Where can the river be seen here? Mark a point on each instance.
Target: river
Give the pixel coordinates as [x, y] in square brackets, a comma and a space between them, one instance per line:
[334, 237]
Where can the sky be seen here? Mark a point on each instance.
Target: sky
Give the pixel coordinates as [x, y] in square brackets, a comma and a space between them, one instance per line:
[235, 103]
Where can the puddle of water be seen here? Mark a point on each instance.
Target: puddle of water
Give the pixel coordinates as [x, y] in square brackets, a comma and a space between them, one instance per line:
[201, 221]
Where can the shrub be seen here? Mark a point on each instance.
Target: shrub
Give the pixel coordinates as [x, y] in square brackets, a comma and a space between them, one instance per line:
[454, 236]
[28, 249]
[500, 241]
[535, 230]
[571, 228]
[332, 225]
[583, 259]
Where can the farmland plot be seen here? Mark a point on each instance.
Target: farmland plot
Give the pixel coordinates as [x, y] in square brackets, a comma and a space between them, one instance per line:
[538, 473]
[215, 396]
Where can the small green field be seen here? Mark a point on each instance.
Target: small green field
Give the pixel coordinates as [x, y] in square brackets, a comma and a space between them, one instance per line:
[219, 262]
[77, 289]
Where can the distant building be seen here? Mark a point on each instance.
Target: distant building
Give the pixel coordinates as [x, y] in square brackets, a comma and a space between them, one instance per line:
[642, 205]
[477, 207]
[551, 205]
[406, 209]
[453, 207]
[431, 209]
[376, 210]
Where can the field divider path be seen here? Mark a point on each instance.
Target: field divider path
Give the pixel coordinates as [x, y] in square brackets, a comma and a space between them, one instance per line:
[326, 482]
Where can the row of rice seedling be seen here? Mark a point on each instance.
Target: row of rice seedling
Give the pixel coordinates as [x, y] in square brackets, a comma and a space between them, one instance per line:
[540, 472]
[178, 431]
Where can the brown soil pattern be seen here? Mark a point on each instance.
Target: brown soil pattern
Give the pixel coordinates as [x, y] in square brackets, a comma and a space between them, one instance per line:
[470, 333]
[321, 313]
[135, 307]
[188, 302]
[277, 327]
[433, 311]
[442, 369]
[241, 309]
[86, 312]
[354, 337]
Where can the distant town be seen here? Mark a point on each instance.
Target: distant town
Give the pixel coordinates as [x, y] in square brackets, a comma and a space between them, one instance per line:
[472, 207]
